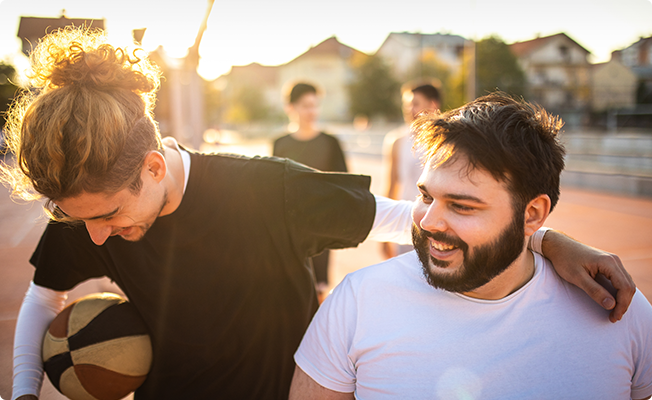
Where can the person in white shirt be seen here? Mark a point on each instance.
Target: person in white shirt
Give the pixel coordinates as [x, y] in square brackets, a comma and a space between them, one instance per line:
[472, 313]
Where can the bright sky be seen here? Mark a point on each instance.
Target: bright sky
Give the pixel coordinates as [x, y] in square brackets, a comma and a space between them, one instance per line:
[274, 32]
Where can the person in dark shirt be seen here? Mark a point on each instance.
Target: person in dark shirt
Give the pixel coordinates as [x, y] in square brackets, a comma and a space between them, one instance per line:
[314, 148]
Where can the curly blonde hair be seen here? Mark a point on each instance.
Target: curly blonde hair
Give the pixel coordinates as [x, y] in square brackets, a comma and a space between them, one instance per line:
[86, 124]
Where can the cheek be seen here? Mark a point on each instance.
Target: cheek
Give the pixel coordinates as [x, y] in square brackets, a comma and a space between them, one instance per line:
[476, 230]
[418, 212]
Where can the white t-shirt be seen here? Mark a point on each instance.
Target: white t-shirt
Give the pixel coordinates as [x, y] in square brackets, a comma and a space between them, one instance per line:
[386, 334]
[408, 163]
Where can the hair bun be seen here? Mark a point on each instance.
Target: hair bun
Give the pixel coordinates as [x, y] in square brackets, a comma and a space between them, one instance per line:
[74, 56]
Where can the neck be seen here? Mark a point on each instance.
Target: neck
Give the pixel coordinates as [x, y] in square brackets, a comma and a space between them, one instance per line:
[512, 279]
[306, 132]
[174, 179]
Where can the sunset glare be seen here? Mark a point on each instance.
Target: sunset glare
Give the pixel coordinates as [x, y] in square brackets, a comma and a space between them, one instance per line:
[273, 33]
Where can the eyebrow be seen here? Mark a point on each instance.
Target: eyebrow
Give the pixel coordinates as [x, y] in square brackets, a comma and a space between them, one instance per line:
[107, 215]
[463, 197]
[454, 196]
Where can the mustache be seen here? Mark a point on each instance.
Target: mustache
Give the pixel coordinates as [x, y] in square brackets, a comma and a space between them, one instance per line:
[418, 233]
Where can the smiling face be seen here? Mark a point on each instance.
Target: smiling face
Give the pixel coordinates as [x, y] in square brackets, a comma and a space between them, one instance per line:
[121, 214]
[124, 213]
[466, 232]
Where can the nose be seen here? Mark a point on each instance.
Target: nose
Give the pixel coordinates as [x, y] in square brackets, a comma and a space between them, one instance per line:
[98, 231]
[434, 220]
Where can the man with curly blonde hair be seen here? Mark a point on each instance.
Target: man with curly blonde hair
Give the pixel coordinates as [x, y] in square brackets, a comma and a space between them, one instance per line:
[212, 250]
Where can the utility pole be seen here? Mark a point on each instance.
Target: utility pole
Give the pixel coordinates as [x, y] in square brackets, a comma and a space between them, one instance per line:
[186, 88]
[469, 55]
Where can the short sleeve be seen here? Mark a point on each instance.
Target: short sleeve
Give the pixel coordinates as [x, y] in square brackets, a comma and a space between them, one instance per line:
[326, 210]
[640, 313]
[324, 351]
[65, 257]
[339, 162]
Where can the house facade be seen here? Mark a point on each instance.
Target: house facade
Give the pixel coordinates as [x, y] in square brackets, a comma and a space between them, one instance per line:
[558, 75]
[31, 29]
[613, 86]
[330, 67]
[638, 57]
[404, 50]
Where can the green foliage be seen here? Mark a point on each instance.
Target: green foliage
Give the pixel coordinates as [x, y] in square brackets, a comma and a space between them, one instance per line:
[214, 104]
[430, 68]
[644, 93]
[248, 105]
[456, 95]
[8, 89]
[375, 92]
[497, 68]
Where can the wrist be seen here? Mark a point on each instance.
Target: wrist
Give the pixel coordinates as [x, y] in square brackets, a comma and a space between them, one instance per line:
[536, 240]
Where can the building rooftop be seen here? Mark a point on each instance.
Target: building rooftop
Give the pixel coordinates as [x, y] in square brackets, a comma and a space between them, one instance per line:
[522, 48]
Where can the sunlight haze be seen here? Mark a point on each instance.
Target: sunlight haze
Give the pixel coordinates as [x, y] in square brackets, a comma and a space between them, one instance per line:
[273, 33]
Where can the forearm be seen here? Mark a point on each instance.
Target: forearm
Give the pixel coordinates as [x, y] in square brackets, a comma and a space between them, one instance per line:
[580, 265]
[393, 221]
[39, 308]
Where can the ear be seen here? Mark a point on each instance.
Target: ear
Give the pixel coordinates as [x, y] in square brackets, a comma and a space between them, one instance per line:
[289, 110]
[155, 166]
[536, 213]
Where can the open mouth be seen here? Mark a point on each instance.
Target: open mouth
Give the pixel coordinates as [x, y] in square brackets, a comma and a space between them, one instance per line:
[441, 250]
[442, 247]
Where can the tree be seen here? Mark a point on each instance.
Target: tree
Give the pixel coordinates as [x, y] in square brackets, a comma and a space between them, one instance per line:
[374, 90]
[8, 88]
[248, 105]
[430, 68]
[497, 68]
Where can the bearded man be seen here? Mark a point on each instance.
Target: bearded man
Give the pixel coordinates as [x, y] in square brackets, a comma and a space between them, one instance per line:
[472, 313]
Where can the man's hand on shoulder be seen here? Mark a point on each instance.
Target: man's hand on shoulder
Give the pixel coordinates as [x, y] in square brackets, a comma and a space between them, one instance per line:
[580, 264]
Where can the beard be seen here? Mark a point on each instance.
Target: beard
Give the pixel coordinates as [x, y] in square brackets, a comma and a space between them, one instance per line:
[480, 264]
[141, 229]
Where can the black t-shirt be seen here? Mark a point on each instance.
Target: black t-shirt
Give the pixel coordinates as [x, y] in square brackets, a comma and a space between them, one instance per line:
[222, 283]
[322, 152]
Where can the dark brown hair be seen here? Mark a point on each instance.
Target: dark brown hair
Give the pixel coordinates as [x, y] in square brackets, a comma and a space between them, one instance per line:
[517, 142]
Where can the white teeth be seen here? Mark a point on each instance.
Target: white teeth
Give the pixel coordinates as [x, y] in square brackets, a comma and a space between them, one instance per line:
[442, 247]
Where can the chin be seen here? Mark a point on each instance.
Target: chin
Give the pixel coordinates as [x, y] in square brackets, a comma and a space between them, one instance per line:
[135, 235]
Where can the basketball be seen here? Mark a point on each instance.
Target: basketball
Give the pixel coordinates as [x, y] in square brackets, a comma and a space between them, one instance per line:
[97, 348]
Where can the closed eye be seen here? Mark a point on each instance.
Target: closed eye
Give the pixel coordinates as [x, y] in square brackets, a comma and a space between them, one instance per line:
[462, 208]
[424, 198]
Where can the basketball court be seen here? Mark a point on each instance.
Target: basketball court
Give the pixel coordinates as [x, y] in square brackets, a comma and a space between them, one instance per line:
[622, 225]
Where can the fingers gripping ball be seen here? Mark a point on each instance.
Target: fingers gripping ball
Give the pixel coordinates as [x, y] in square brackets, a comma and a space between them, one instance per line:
[97, 348]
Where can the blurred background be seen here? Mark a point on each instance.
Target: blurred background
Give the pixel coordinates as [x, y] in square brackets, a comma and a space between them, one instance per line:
[228, 65]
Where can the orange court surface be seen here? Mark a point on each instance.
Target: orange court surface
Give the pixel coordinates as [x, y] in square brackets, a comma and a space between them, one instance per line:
[619, 224]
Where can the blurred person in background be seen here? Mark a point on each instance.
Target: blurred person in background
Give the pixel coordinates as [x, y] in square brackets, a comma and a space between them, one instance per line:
[403, 164]
[314, 148]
